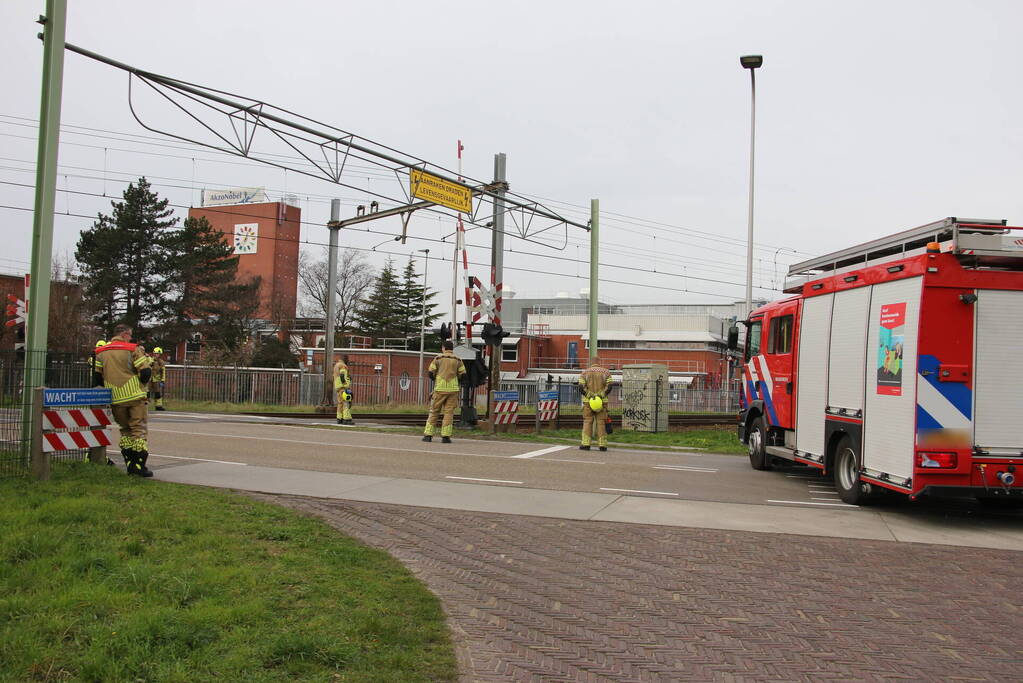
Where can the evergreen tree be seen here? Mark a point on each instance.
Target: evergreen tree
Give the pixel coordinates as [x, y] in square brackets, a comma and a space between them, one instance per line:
[411, 305]
[124, 260]
[381, 314]
[203, 290]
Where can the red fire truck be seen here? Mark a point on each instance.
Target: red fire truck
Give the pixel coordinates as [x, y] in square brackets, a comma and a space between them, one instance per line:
[897, 363]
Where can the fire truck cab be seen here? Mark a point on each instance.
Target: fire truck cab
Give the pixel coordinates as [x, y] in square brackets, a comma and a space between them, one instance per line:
[897, 363]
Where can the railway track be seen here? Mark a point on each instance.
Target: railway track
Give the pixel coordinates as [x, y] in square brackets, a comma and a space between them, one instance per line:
[525, 420]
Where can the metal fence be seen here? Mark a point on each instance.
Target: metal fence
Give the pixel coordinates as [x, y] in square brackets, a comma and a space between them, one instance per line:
[300, 388]
[62, 371]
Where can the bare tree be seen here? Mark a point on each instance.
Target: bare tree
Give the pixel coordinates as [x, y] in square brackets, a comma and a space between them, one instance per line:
[355, 278]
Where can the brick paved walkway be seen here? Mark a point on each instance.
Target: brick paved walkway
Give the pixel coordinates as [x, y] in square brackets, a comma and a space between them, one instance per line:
[538, 599]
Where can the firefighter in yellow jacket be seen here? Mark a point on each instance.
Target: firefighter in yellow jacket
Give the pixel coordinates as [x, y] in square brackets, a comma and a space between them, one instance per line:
[343, 392]
[594, 385]
[125, 369]
[447, 373]
[159, 378]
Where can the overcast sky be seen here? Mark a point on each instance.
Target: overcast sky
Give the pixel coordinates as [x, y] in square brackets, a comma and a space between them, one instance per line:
[872, 117]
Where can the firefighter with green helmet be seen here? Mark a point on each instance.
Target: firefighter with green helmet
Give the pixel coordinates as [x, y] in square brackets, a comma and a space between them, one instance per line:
[343, 391]
[447, 372]
[125, 369]
[594, 385]
[159, 378]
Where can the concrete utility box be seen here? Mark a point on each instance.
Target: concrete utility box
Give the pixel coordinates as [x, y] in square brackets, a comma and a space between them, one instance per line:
[645, 397]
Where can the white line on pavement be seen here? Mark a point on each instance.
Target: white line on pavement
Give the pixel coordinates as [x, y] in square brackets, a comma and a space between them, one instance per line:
[657, 493]
[542, 451]
[683, 468]
[178, 457]
[495, 481]
[326, 443]
[803, 502]
[831, 499]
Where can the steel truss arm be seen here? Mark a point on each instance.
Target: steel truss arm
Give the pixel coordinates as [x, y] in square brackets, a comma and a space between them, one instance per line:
[325, 149]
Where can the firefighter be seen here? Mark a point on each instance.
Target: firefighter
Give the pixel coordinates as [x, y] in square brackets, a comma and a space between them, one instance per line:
[97, 378]
[159, 378]
[594, 385]
[447, 373]
[125, 369]
[343, 391]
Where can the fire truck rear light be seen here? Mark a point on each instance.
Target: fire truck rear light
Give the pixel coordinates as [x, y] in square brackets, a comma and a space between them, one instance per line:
[895, 269]
[851, 278]
[936, 460]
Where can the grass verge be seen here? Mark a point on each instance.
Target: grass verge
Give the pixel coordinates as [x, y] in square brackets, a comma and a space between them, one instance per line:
[714, 440]
[109, 578]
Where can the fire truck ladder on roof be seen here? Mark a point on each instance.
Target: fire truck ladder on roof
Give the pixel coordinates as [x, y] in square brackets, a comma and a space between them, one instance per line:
[977, 243]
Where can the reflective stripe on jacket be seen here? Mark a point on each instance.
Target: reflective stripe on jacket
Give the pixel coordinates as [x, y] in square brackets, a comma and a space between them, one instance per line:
[446, 369]
[342, 380]
[119, 363]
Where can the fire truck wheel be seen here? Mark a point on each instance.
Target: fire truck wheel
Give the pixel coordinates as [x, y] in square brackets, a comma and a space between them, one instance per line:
[847, 473]
[757, 444]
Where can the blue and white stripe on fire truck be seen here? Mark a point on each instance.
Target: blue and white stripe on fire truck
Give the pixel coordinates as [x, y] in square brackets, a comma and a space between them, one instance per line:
[940, 405]
[758, 384]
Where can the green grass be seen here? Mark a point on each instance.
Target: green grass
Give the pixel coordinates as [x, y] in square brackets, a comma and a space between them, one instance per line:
[109, 578]
[714, 440]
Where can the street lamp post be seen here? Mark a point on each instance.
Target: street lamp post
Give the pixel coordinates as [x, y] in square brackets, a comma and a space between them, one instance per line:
[422, 324]
[751, 62]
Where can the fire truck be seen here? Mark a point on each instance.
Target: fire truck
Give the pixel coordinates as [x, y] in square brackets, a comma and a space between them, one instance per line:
[896, 364]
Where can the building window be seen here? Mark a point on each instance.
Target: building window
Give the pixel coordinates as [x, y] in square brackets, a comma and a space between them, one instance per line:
[510, 354]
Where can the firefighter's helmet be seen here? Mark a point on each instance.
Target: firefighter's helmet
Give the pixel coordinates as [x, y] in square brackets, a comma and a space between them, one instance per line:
[157, 350]
[347, 395]
[596, 404]
[101, 342]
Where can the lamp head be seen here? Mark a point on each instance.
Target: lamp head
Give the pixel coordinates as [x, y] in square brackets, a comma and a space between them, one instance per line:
[751, 61]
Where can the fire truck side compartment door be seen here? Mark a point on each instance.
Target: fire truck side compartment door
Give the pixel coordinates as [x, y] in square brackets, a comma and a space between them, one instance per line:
[998, 376]
[889, 416]
[812, 375]
[848, 348]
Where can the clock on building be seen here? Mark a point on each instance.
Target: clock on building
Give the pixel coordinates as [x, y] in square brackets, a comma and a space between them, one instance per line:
[245, 237]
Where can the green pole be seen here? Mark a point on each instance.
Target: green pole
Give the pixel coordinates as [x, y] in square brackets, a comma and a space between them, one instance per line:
[594, 253]
[36, 325]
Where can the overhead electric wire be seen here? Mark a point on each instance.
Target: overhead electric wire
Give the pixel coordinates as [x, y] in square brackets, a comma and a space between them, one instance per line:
[320, 225]
[576, 208]
[685, 290]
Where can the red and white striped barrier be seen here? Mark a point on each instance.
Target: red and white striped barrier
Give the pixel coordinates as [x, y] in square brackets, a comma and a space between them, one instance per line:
[69, 419]
[506, 412]
[547, 410]
[82, 421]
[69, 441]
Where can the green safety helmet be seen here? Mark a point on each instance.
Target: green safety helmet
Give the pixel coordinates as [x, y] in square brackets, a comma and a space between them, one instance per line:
[157, 350]
[596, 404]
[100, 343]
[347, 394]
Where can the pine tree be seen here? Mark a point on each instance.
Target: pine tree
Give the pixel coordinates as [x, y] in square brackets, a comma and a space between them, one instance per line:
[205, 296]
[381, 314]
[124, 260]
[411, 305]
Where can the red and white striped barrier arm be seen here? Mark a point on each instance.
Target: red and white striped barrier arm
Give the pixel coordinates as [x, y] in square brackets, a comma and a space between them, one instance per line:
[69, 441]
[70, 419]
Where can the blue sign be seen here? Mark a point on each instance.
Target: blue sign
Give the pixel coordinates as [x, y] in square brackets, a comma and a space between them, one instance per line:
[547, 395]
[506, 396]
[73, 398]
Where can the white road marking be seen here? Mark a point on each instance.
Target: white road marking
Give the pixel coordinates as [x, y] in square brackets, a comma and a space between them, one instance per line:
[328, 443]
[812, 498]
[803, 502]
[495, 481]
[656, 493]
[542, 451]
[683, 468]
[178, 457]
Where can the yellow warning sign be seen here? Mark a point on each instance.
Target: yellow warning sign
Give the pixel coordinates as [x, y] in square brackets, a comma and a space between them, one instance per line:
[444, 192]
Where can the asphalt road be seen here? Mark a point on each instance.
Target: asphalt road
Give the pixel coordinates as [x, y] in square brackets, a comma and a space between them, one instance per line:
[669, 475]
